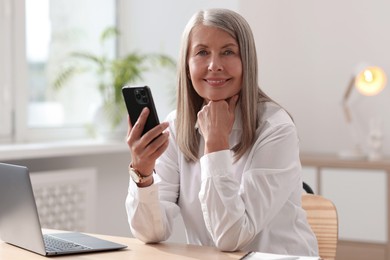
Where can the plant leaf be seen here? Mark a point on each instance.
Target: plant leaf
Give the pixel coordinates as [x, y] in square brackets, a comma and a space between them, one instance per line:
[89, 57]
[110, 32]
[64, 76]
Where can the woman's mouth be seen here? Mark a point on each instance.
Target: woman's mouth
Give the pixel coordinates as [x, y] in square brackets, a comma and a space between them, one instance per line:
[216, 82]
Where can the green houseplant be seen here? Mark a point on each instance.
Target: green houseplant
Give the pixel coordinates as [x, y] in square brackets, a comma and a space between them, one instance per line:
[112, 74]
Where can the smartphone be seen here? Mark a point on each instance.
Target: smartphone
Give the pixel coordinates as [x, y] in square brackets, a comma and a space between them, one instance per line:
[136, 98]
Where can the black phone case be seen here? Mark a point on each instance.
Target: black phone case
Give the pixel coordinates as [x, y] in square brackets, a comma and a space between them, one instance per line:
[136, 98]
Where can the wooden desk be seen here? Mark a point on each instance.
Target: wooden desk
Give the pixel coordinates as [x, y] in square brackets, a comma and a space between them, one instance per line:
[339, 190]
[135, 250]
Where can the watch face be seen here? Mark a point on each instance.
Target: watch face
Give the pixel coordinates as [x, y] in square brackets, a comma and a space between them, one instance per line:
[136, 178]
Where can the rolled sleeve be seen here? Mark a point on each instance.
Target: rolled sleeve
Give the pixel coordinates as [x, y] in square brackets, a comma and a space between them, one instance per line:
[216, 164]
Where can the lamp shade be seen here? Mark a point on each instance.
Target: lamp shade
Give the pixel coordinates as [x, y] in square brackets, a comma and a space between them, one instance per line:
[370, 81]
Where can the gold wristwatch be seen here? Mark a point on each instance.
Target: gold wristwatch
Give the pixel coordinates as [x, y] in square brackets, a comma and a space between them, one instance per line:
[137, 177]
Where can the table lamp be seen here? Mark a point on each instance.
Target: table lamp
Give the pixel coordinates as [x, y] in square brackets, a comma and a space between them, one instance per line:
[369, 81]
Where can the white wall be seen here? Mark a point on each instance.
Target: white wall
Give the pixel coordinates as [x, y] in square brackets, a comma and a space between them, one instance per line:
[307, 51]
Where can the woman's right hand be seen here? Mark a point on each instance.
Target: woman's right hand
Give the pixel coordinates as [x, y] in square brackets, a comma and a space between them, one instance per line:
[147, 148]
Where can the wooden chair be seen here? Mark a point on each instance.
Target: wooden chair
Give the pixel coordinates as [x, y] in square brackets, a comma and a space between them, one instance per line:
[322, 217]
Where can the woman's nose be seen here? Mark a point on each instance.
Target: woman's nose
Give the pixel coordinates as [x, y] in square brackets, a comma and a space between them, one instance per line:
[215, 63]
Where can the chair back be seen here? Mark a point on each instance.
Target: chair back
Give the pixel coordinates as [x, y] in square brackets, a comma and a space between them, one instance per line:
[322, 217]
[307, 188]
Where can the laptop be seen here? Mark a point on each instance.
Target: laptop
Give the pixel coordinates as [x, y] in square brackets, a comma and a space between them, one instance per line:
[20, 225]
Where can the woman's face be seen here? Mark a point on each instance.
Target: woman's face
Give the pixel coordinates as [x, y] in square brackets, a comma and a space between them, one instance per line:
[214, 63]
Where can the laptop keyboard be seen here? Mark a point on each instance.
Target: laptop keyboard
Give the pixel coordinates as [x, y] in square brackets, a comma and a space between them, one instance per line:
[54, 244]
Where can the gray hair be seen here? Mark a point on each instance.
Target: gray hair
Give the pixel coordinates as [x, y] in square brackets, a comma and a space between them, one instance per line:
[189, 102]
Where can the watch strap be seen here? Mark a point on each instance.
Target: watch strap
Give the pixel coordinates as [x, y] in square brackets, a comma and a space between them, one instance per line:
[137, 176]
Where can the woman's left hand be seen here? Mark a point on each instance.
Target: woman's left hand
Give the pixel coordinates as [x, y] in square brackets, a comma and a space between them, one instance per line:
[216, 121]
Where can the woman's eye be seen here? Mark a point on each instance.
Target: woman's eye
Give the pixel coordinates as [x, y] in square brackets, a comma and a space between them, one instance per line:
[201, 53]
[228, 52]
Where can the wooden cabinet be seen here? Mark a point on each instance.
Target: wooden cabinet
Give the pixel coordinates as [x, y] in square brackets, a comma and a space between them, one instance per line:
[360, 191]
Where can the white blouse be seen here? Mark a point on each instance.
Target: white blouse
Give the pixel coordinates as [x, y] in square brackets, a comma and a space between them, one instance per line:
[253, 204]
